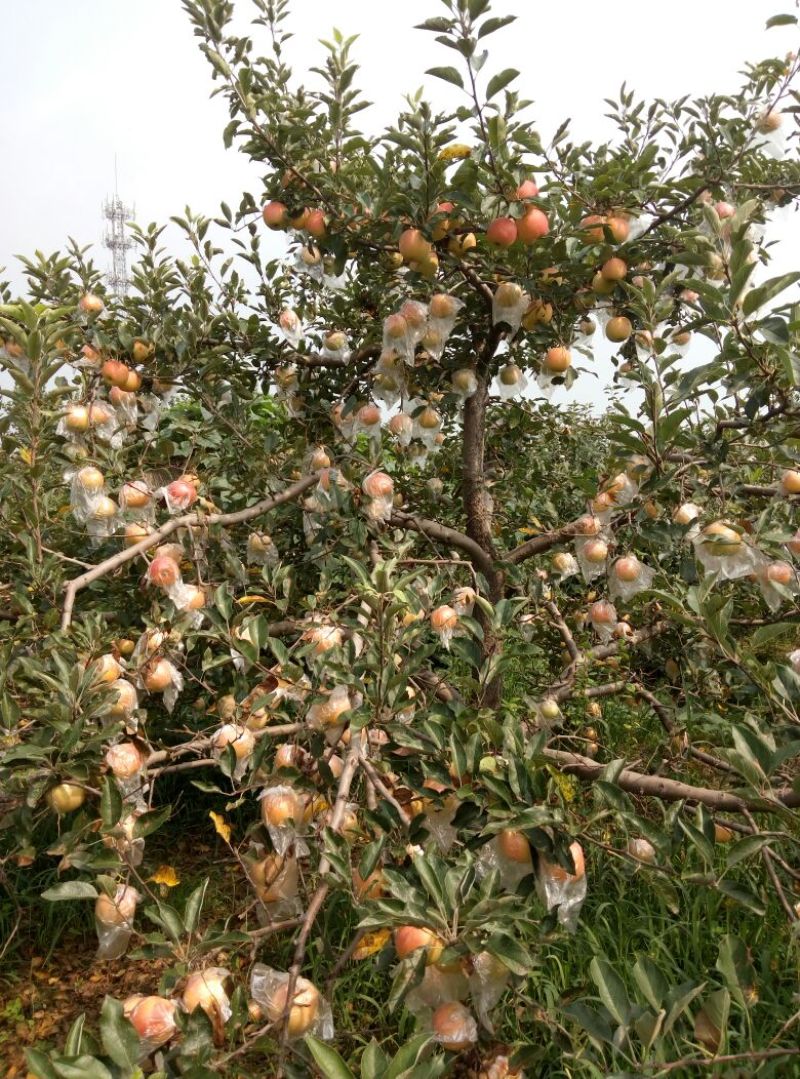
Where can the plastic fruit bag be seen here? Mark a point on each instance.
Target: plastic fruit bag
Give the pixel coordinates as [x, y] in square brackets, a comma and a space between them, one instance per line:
[309, 1013]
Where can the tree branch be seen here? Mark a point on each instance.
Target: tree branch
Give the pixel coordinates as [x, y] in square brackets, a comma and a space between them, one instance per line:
[480, 559]
[102, 569]
[669, 790]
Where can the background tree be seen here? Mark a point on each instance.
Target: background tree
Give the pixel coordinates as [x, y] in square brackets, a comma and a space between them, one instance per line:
[288, 544]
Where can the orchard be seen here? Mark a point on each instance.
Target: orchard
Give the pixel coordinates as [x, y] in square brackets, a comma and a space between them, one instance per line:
[384, 713]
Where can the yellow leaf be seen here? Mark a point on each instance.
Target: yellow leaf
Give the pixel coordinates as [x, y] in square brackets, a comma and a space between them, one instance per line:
[252, 599]
[165, 875]
[456, 151]
[567, 785]
[221, 826]
[371, 943]
[26, 455]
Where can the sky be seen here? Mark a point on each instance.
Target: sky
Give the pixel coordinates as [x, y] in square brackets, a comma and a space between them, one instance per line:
[88, 81]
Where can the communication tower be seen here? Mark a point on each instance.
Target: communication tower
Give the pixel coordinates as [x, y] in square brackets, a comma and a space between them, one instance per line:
[116, 240]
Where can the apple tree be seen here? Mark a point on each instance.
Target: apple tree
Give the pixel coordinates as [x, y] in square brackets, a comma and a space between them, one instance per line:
[475, 690]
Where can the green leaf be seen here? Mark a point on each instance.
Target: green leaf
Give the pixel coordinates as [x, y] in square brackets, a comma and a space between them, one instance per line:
[110, 803]
[70, 889]
[438, 25]
[595, 1024]
[491, 25]
[40, 1065]
[781, 20]
[500, 81]
[374, 1062]
[611, 989]
[407, 1056]
[194, 904]
[757, 297]
[510, 952]
[742, 895]
[651, 982]
[449, 74]
[81, 1067]
[327, 1059]
[745, 848]
[72, 1044]
[120, 1040]
[149, 822]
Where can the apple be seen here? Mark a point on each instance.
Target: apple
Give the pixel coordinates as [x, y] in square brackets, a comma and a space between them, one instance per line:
[124, 701]
[157, 675]
[641, 849]
[614, 269]
[135, 532]
[722, 540]
[163, 571]
[275, 215]
[279, 806]
[557, 359]
[601, 612]
[124, 759]
[135, 494]
[502, 232]
[153, 1019]
[90, 304]
[444, 618]
[206, 989]
[119, 910]
[514, 846]
[442, 306]
[105, 669]
[141, 350]
[378, 485]
[558, 873]
[76, 418]
[527, 190]
[304, 1008]
[413, 246]
[410, 938]
[508, 294]
[115, 372]
[454, 1026]
[627, 568]
[790, 482]
[619, 329]
[104, 508]
[532, 226]
[66, 798]
[91, 478]
[230, 734]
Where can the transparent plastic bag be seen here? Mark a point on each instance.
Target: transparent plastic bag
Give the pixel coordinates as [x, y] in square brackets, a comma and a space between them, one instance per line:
[557, 887]
[113, 919]
[629, 576]
[310, 1012]
[205, 989]
[437, 987]
[487, 983]
[509, 304]
[261, 550]
[282, 813]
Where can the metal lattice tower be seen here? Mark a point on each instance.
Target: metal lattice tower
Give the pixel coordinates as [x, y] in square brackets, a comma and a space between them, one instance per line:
[116, 240]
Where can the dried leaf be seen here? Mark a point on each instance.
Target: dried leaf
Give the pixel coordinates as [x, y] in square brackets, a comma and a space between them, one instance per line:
[165, 875]
[221, 826]
[371, 943]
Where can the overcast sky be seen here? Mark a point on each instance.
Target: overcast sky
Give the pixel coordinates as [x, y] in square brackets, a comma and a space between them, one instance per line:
[84, 80]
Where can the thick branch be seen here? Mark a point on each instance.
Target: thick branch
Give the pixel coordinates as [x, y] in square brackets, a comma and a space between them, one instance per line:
[668, 790]
[102, 569]
[480, 559]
